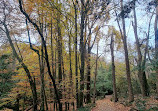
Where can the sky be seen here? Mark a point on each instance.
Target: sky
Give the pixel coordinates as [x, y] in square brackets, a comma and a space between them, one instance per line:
[143, 22]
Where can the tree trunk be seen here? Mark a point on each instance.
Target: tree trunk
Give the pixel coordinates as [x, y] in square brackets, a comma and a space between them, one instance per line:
[113, 68]
[88, 98]
[141, 72]
[76, 60]
[41, 66]
[71, 83]
[59, 47]
[17, 105]
[43, 95]
[130, 89]
[32, 84]
[59, 51]
[52, 51]
[95, 76]
[156, 45]
[82, 51]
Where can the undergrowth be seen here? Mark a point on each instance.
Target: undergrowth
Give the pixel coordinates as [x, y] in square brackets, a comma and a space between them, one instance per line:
[88, 107]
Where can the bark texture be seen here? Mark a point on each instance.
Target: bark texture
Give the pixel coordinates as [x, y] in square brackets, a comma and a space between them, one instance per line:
[128, 73]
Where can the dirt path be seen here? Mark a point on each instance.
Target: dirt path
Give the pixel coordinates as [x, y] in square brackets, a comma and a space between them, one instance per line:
[107, 105]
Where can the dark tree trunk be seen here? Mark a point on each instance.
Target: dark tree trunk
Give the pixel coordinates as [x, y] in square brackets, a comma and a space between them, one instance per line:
[52, 51]
[141, 72]
[113, 68]
[88, 98]
[95, 76]
[70, 59]
[82, 52]
[76, 60]
[146, 47]
[55, 70]
[70, 71]
[41, 66]
[17, 102]
[59, 48]
[43, 95]
[130, 89]
[32, 84]
[156, 44]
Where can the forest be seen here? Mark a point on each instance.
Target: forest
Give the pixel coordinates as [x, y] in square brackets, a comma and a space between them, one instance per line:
[78, 55]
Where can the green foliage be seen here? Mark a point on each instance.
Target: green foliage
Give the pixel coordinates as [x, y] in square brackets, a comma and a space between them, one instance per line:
[136, 86]
[84, 109]
[103, 82]
[153, 109]
[87, 107]
[4, 62]
[152, 67]
[122, 87]
[5, 75]
[140, 105]
[152, 82]
[154, 64]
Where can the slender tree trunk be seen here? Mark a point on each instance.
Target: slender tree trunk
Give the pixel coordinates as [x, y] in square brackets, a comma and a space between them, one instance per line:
[70, 62]
[52, 51]
[59, 51]
[42, 89]
[95, 76]
[17, 102]
[43, 84]
[76, 60]
[82, 51]
[156, 44]
[88, 98]
[141, 72]
[113, 68]
[55, 71]
[43, 96]
[59, 47]
[146, 48]
[32, 84]
[41, 66]
[130, 89]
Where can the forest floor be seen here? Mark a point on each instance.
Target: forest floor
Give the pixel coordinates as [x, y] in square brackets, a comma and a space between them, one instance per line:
[107, 105]
[146, 104]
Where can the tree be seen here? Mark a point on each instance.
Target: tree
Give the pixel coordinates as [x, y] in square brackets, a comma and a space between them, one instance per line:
[113, 67]
[41, 66]
[82, 48]
[76, 57]
[124, 37]
[156, 42]
[140, 61]
[95, 76]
